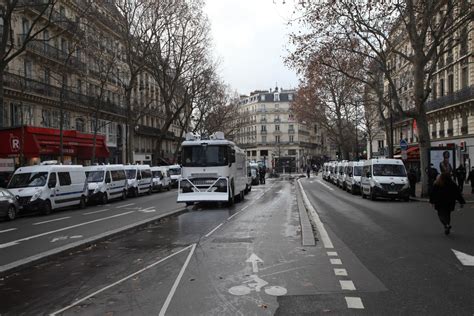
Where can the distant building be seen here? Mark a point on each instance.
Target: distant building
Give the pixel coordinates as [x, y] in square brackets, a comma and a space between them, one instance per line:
[271, 134]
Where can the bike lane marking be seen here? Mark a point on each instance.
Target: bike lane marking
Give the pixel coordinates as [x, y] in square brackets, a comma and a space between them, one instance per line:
[215, 228]
[95, 212]
[121, 281]
[8, 230]
[52, 220]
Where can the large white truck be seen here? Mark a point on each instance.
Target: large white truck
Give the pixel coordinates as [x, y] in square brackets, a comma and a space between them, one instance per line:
[213, 170]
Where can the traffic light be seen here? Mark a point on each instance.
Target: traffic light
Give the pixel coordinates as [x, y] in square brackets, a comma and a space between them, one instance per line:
[462, 146]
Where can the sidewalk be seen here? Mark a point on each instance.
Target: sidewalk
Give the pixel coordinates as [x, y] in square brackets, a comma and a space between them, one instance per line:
[468, 196]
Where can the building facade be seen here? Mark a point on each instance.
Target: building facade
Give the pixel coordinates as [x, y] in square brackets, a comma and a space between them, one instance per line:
[271, 134]
[71, 76]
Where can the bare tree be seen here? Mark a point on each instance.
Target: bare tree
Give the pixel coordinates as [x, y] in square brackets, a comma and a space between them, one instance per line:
[414, 34]
[10, 46]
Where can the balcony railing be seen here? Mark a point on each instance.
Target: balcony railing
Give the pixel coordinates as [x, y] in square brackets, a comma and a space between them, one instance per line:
[462, 95]
[46, 50]
[28, 86]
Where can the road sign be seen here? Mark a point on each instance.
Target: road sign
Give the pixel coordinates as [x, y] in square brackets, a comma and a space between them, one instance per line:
[403, 144]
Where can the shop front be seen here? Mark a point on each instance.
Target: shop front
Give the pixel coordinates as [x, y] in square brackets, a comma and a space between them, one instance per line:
[36, 144]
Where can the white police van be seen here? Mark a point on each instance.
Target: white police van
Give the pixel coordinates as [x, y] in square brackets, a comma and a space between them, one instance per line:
[175, 174]
[213, 170]
[49, 186]
[106, 182]
[385, 178]
[161, 179]
[138, 179]
[354, 175]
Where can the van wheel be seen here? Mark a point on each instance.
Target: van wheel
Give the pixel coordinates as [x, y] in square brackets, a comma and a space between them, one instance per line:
[46, 208]
[104, 198]
[124, 195]
[168, 187]
[11, 214]
[242, 196]
[135, 192]
[373, 197]
[231, 200]
[82, 203]
[189, 203]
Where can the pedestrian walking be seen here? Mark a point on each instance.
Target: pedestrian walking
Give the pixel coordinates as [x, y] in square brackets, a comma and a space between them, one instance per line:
[443, 197]
[471, 178]
[308, 171]
[262, 173]
[461, 176]
[432, 174]
[412, 179]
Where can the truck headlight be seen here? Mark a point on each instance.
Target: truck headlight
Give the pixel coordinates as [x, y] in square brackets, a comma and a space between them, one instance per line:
[406, 186]
[36, 195]
[377, 184]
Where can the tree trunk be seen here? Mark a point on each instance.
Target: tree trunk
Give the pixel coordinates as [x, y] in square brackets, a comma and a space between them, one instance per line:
[94, 139]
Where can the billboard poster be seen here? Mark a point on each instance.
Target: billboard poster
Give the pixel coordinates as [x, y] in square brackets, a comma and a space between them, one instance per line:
[443, 159]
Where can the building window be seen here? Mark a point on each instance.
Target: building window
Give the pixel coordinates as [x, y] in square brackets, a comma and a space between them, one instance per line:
[46, 118]
[28, 69]
[292, 152]
[262, 97]
[441, 87]
[264, 139]
[264, 128]
[47, 76]
[380, 144]
[80, 125]
[292, 138]
[450, 84]
[276, 97]
[464, 77]
[277, 127]
[277, 139]
[290, 97]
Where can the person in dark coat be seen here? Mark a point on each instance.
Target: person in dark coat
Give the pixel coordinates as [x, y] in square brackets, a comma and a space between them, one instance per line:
[443, 197]
[461, 176]
[432, 174]
[471, 178]
[412, 179]
[262, 172]
[308, 171]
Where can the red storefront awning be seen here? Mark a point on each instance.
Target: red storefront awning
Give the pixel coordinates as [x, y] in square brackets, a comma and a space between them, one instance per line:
[45, 141]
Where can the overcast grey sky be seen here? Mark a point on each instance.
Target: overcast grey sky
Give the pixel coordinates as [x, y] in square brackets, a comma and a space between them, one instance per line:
[250, 40]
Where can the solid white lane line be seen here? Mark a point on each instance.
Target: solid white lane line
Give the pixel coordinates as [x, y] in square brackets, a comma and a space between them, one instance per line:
[332, 254]
[216, 228]
[244, 208]
[14, 242]
[176, 282]
[230, 217]
[8, 230]
[335, 261]
[120, 281]
[53, 220]
[347, 285]
[323, 234]
[95, 212]
[354, 302]
[125, 205]
[340, 272]
[325, 185]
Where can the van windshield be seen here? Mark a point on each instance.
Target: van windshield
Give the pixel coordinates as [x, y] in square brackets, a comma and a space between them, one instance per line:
[358, 171]
[390, 170]
[175, 171]
[157, 174]
[29, 179]
[95, 176]
[201, 156]
[131, 173]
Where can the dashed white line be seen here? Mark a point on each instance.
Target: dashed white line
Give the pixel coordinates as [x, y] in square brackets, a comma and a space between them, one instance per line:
[340, 272]
[120, 281]
[347, 285]
[125, 205]
[232, 216]
[8, 230]
[95, 212]
[335, 261]
[53, 220]
[354, 302]
[15, 242]
[332, 254]
[325, 185]
[216, 228]
[176, 283]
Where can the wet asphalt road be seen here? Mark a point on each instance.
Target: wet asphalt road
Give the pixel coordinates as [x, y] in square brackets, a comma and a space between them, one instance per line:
[395, 258]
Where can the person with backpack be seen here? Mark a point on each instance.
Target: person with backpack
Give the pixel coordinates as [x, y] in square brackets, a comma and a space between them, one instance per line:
[443, 197]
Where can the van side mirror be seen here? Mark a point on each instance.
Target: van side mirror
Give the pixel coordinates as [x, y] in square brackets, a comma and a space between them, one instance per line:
[107, 180]
[232, 157]
[139, 176]
[368, 175]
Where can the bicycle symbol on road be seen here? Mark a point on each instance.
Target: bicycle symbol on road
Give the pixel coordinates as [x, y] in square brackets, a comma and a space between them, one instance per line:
[255, 283]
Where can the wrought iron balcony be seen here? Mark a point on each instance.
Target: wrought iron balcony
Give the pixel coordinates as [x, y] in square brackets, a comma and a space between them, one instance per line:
[462, 95]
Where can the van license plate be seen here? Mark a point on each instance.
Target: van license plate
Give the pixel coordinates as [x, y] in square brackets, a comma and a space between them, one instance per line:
[391, 192]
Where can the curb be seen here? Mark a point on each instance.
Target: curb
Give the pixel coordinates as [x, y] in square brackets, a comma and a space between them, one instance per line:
[307, 233]
[24, 263]
[416, 199]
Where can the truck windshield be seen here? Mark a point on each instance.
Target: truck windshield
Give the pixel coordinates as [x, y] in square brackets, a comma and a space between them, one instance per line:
[95, 176]
[389, 171]
[131, 173]
[201, 156]
[357, 171]
[29, 179]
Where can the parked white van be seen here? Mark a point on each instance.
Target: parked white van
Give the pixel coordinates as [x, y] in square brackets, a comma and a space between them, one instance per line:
[175, 174]
[48, 187]
[161, 179]
[138, 179]
[353, 178]
[333, 172]
[385, 178]
[106, 182]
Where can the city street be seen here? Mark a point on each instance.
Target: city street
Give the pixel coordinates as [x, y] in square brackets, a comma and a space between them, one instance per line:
[370, 258]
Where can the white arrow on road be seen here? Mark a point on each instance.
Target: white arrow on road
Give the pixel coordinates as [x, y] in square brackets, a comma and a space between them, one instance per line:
[465, 259]
[254, 259]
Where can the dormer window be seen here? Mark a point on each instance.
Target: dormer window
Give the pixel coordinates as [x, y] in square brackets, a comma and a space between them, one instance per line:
[262, 97]
[276, 97]
[290, 97]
